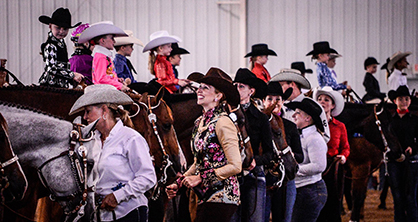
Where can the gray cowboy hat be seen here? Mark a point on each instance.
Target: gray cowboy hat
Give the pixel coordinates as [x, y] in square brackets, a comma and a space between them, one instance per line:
[98, 29]
[311, 108]
[60, 17]
[396, 57]
[160, 38]
[127, 40]
[291, 75]
[336, 97]
[100, 93]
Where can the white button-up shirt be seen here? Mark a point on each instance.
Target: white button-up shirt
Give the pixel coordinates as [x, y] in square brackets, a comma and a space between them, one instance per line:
[123, 161]
[396, 79]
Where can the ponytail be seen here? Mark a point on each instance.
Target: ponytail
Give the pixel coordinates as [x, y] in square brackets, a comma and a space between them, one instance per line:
[252, 62]
[122, 114]
[151, 60]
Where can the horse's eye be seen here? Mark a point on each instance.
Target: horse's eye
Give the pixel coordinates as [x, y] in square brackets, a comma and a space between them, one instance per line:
[167, 126]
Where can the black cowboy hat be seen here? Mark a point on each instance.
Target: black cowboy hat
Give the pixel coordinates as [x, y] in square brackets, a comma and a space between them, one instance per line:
[223, 82]
[275, 89]
[61, 17]
[370, 61]
[177, 50]
[385, 66]
[260, 49]
[311, 108]
[400, 91]
[301, 67]
[245, 76]
[321, 47]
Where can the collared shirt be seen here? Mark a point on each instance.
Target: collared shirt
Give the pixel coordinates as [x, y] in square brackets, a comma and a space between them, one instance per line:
[122, 68]
[372, 87]
[396, 79]
[338, 144]
[315, 157]
[325, 77]
[288, 113]
[261, 72]
[406, 129]
[103, 70]
[123, 164]
[164, 73]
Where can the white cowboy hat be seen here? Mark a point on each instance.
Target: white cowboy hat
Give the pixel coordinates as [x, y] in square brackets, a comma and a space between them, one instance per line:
[130, 39]
[160, 38]
[291, 75]
[335, 96]
[396, 57]
[100, 93]
[98, 29]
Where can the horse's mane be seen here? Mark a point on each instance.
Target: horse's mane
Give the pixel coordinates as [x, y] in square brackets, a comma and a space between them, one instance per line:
[27, 108]
[42, 88]
[175, 98]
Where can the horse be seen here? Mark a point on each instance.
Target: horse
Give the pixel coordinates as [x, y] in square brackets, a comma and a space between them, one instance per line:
[40, 98]
[368, 147]
[42, 143]
[13, 182]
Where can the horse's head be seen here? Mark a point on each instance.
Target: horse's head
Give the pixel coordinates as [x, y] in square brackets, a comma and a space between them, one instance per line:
[277, 128]
[13, 183]
[238, 117]
[154, 122]
[377, 130]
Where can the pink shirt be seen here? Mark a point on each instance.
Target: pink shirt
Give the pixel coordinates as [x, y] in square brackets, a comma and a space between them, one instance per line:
[103, 71]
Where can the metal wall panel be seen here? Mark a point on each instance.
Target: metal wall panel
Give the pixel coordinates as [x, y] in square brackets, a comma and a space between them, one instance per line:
[210, 31]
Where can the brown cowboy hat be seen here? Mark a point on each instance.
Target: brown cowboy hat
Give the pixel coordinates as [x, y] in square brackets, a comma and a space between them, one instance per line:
[61, 17]
[223, 82]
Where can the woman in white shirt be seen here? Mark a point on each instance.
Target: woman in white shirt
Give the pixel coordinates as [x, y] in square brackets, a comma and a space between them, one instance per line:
[397, 63]
[123, 169]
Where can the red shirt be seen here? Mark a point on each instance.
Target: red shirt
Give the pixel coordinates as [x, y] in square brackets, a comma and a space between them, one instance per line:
[261, 72]
[164, 73]
[338, 144]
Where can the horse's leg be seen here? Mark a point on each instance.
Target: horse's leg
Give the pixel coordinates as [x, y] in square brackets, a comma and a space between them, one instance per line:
[48, 210]
[359, 185]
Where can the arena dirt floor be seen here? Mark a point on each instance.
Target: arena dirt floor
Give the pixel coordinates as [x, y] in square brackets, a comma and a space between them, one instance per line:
[371, 212]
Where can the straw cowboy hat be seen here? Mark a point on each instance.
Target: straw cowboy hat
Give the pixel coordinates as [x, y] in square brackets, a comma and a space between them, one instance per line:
[100, 28]
[334, 55]
[301, 67]
[100, 93]
[321, 47]
[275, 89]
[400, 91]
[291, 75]
[335, 96]
[311, 108]
[223, 82]
[245, 76]
[127, 40]
[177, 50]
[260, 49]
[61, 17]
[160, 38]
[396, 57]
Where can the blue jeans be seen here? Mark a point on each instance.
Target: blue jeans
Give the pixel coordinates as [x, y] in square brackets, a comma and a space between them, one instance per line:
[397, 180]
[310, 200]
[284, 197]
[253, 197]
[412, 189]
[290, 200]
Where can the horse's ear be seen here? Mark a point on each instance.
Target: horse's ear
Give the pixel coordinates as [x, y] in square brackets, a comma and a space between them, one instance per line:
[160, 93]
[85, 131]
[77, 120]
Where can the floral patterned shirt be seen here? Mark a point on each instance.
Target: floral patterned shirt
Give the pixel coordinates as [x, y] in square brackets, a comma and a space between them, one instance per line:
[217, 157]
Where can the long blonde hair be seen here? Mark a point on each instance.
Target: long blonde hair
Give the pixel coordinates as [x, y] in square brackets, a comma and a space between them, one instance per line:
[151, 60]
[122, 114]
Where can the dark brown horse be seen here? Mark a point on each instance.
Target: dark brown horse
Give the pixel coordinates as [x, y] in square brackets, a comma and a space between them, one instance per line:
[367, 146]
[60, 101]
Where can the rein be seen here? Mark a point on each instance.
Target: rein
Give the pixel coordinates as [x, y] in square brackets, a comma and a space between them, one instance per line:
[385, 142]
[79, 174]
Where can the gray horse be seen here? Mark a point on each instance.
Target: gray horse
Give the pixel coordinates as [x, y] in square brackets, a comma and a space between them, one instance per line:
[42, 142]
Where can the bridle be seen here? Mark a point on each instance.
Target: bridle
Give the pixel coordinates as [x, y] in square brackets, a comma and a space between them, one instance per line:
[166, 163]
[79, 171]
[385, 142]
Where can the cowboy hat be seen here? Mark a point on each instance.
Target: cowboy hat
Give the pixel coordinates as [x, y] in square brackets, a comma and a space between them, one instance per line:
[77, 32]
[400, 91]
[321, 47]
[245, 76]
[396, 57]
[334, 56]
[260, 49]
[301, 67]
[292, 75]
[127, 40]
[100, 93]
[60, 17]
[99, 29]
[370, 61]
[160, 38]
[221, 81]
[336, 97]
[311, 108]
[177, 50]
[385, 66]
[195, 76]
[275, 89]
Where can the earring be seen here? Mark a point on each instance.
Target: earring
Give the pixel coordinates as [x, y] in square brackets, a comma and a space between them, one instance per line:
[104, 118]
[216, 99]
